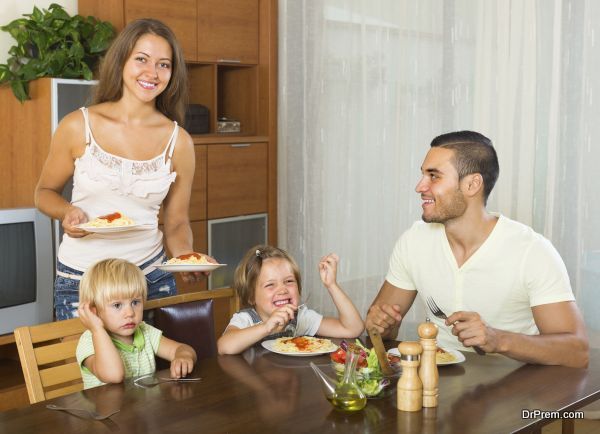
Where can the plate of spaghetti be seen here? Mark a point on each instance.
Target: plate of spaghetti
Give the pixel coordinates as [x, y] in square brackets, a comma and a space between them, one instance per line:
[443, 356]
[300, 346]
[114, 222]
[189, 262]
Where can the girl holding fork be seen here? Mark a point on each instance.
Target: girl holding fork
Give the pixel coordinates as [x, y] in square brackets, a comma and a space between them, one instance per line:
[268, 284]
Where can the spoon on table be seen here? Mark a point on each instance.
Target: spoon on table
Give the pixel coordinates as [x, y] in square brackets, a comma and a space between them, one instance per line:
[151, 381]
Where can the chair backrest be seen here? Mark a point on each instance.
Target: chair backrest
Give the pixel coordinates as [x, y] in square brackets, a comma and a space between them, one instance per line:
[47, 354]
[191, 323]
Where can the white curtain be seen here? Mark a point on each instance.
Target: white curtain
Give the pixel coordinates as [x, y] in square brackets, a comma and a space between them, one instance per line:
[366, 84]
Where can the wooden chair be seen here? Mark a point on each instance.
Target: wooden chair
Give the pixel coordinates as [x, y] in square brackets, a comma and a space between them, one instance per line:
[47, 354]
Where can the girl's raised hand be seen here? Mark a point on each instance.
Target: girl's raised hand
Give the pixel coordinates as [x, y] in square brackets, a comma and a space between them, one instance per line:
[328, 269]
[280, 318]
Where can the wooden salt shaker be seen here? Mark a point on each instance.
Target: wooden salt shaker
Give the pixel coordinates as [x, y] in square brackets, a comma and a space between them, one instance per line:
[428, 371]
[410, 388]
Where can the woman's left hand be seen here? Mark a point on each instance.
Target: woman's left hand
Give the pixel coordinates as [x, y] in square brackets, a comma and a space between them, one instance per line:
[193, 276]
[196, 276]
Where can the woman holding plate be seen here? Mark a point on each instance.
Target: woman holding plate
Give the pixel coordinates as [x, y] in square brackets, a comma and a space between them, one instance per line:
[127, 154]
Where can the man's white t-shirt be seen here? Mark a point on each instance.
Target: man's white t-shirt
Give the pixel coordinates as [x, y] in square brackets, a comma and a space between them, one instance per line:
[513, 270]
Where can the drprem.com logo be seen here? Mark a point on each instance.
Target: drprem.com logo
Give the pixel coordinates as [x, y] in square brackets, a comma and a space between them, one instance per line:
[535, 414]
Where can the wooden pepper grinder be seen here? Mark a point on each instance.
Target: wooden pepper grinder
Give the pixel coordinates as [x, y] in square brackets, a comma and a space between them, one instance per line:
[410, 388]
[428, 371]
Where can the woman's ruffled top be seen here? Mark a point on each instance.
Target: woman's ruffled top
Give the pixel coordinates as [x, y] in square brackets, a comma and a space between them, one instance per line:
[104, 183]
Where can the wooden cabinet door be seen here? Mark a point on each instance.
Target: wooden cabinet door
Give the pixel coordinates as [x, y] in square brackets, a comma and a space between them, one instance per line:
[198, 197]
[26, 135]
[107, 10]
[228, 31]
[236, 179]
[179, 15]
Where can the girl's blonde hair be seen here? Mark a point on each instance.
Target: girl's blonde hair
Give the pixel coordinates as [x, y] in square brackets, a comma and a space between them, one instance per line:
[248, 270]
[112, 279]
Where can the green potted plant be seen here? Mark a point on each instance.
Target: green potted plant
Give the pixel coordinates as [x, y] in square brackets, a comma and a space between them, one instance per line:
[51, 43]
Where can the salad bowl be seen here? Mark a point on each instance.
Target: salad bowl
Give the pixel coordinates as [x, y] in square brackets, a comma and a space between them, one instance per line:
[369, 376]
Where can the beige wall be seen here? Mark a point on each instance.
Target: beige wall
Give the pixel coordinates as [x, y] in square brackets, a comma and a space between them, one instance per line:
[13, 9]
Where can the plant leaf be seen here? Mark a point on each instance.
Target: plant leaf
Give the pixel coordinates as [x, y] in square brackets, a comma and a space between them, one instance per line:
[20, 90]
[5, 73]
[49, 42]
[37, 15]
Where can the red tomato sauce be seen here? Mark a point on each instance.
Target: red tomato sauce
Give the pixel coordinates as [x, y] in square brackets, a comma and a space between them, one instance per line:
[111, 217]
[188, 256]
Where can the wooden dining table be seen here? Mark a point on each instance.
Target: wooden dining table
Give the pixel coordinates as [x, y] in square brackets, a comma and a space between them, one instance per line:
[264, 392]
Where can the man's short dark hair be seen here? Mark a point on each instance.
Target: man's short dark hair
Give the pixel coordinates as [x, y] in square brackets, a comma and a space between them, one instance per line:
[473, 153]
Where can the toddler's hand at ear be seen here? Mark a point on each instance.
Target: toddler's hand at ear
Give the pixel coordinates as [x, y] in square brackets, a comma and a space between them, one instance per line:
[88, 317]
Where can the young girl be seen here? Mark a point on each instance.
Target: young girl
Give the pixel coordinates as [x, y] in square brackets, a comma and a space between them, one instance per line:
[125, 152]
[267, 282]
[118, 344]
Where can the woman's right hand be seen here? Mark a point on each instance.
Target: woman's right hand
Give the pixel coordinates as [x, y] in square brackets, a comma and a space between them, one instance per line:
[74, 216]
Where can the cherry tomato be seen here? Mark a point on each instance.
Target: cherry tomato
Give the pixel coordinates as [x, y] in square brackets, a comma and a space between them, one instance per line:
[362, 362]
[339, 356]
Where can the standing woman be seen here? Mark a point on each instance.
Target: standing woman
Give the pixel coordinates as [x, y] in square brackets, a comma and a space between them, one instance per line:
[125, 153]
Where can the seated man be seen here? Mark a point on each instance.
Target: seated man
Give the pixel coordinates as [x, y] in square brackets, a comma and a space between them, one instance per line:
[503, 286]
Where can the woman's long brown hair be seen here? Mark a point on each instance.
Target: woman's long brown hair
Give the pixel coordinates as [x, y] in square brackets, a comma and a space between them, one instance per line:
[172, 101]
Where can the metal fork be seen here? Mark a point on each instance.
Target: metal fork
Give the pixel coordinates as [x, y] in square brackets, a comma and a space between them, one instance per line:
[433, 307]
[290, 328]
[73, 410]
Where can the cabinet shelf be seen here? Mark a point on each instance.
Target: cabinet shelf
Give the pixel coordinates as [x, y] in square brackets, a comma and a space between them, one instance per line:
[209, 139]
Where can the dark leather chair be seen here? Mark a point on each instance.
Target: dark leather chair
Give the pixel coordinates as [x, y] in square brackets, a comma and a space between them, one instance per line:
[190, 323]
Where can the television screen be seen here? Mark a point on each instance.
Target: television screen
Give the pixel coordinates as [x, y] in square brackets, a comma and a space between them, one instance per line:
[17, 264]
[229, 240]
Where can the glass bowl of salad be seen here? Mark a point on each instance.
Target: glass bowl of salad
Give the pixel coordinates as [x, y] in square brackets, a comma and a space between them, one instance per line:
[369, 376]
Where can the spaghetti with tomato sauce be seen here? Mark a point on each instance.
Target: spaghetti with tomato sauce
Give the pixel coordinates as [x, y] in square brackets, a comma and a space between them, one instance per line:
[304, 344]
[110, 220]
[189, 259]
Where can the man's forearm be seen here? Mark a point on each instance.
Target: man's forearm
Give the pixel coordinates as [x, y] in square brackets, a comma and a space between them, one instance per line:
[566, 349]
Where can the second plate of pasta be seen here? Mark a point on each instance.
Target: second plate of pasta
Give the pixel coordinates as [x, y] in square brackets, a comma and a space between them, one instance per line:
[443, 357]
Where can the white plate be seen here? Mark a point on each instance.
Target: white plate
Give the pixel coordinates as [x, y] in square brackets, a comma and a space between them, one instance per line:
[178, 268]
[459, 357]
[110, 229]
[269, 346]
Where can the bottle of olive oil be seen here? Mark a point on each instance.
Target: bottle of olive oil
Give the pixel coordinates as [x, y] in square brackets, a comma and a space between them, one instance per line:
[348, 396]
